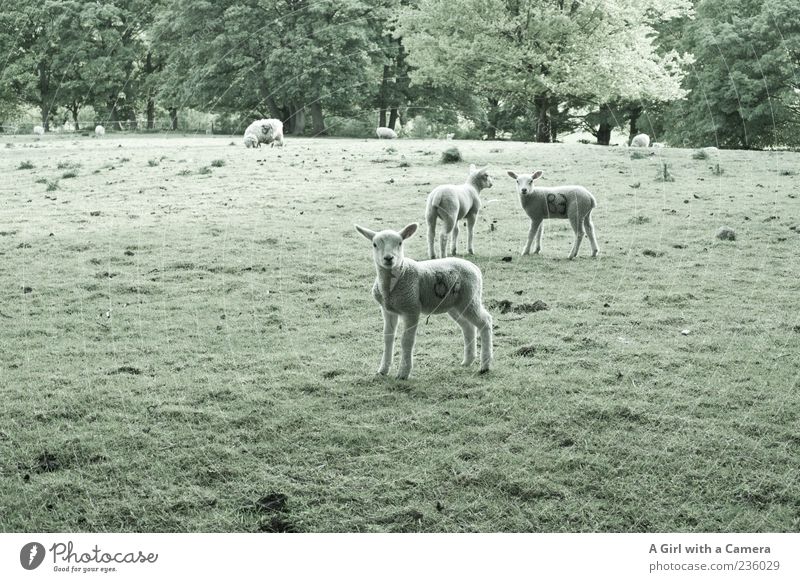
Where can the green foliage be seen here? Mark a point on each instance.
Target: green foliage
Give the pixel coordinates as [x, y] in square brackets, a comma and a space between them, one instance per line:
[744, 94]
[26, 165]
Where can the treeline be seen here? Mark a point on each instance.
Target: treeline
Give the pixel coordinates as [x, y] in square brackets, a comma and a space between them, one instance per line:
[703, 72]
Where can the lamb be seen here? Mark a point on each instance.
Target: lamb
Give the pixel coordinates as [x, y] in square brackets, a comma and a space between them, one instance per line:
[385, 133]
[99, 131]
[641, 141]
[405, 289]
[573, 202]
[268, 131]
[38, 130]
[451, 204]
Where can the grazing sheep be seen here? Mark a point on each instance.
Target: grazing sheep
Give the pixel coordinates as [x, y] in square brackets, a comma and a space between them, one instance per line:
[405, 289]
[99, 131]
[38, 130]
[385, 133]
[251, 141]
[573, 202]
[450, 136]
[268, 131]
[641, 141]
[451, 204]
[658, 144]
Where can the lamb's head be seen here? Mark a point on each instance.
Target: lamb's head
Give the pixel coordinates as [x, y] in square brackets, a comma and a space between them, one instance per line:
[250, 141]
[387, 245]
[525, 181]
[479, 177]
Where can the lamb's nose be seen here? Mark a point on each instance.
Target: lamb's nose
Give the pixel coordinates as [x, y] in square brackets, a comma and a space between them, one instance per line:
[388, 258]
[524, 190]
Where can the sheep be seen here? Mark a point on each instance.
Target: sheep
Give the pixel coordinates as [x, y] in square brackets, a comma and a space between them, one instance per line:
[269, 131]
[385, 133]
[99, 131]
[573, 202]
[641, 141]
[405, 289]
[657, 144]
[38, 130]
[451, 204]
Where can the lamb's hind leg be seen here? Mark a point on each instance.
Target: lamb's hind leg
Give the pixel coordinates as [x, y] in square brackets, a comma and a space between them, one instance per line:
[447, 227]
[471, 218]
[577, 227]
[482, 320]
[454, 246]
[432, 237]
[469, 336]
[589, 226]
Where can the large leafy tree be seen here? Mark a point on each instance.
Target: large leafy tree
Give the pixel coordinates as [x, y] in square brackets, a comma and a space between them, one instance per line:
[537, 54]
[744, 85]
[281, 57]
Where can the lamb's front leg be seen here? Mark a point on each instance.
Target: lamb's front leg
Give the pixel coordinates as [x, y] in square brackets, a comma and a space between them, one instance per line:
[389, 327]
[535, 225]
[409, 337]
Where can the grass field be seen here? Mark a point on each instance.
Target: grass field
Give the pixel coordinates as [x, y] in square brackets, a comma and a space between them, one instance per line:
[189, 343]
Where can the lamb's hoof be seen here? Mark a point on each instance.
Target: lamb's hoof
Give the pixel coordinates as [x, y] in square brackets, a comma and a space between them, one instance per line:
[382, 372]
[466, 363]
[483, 370]
[402, 377]
[594, 254]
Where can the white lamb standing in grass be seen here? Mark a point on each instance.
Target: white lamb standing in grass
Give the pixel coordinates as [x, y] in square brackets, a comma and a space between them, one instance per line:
[452, 203]
[406, 289]
[268, 131]
[38, 130]
[641, 141]
[99, 131]
[573, 202]
[385, 133]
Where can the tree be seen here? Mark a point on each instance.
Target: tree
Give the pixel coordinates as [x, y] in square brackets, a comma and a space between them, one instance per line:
[743, 91]
[537, 54]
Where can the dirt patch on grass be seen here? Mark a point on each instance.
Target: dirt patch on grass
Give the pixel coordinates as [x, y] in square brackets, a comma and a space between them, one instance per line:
[506, 306]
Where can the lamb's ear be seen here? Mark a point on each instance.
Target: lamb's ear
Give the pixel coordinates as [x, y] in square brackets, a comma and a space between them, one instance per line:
[512, 174]
[370, 234]
[472, 168]
[536, 175]
[408, 230]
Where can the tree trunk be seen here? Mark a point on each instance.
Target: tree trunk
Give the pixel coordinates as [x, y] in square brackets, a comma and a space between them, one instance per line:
[604, 133]
[554, 117]
[392, 118]
[173, 118]
[151, 113]
[318, 119]
[383, 96]
[75, 110]
[299, 117]
[492, 117]
[542, 120]
[634, 114]
[382, 118]
[44, 91]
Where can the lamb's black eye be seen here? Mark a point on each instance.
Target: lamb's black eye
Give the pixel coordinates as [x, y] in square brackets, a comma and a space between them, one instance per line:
[375, 245]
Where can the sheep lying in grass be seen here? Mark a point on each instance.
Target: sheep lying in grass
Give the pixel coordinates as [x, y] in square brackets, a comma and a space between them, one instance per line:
[268, 131]
[385, 133]
[406, 289]
[451, 204]
[99, 131]
[641, 141]
[38, 130]
[573, 202]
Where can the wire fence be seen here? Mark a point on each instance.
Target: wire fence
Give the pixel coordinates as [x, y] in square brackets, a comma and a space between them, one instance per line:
[127, 126]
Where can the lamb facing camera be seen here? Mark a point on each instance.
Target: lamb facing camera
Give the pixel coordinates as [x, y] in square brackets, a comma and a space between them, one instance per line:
[405, 288]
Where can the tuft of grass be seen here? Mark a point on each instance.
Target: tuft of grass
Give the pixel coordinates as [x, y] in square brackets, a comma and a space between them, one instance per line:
[639, 219]
[52, 185]
[69, 174]
[717, 170]
[664, 174]
[640, 155]
[204, 170]
[153, 162]
[404, 163]
[390, 150]
[217, 163]
[26, 165]
[700, 155]
[451, 156]
[68, 165]
[185, 172]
